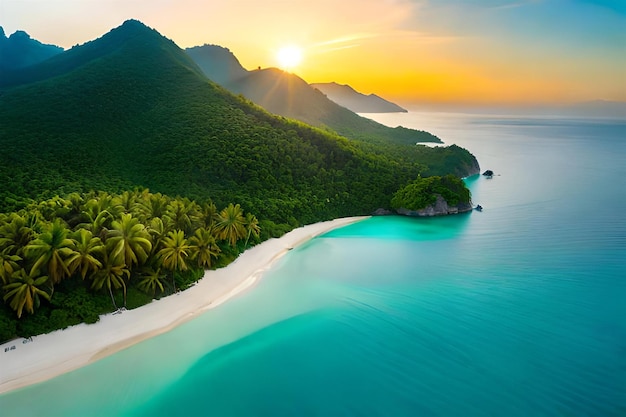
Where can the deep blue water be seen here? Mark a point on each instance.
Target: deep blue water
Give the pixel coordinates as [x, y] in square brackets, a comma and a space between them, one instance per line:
[519, 310]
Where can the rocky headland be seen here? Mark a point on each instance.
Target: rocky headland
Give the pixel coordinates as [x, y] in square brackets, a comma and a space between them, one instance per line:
[439, 208]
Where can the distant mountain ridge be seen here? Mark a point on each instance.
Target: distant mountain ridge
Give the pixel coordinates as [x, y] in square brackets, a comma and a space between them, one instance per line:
[348, 97]
[290, 96]
[19, 50]
[224, 65]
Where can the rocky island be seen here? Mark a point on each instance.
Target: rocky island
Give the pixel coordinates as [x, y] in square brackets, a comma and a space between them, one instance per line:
[433, 196]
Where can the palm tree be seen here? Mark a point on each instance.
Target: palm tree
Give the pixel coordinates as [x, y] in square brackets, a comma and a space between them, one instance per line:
[51, 250]
[112, 276]
[203, 247]
[24, 291]
[52, 208]
[8, 265]
[96, 217]
[126, 201]
[157, 231]
[174, 253]
[151, 280]
[86, 246]
[252, 226]
[129, 241]
[208, 214]
[177, 216]
[16, 234]
[75, 203]
[230, 225]
[99, 211]
[152, 205]
[106, 201]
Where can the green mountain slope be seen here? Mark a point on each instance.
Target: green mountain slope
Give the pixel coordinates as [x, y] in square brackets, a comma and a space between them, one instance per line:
[79, 56]
[290, 96]
[131, 109]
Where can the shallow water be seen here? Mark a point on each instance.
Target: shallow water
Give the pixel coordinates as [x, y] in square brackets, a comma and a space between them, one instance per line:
[517, 310]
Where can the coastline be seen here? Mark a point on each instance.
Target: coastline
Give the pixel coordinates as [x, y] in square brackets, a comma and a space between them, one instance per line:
[28, 361]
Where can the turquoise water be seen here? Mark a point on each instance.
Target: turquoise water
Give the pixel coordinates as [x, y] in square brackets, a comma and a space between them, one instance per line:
[519, 310]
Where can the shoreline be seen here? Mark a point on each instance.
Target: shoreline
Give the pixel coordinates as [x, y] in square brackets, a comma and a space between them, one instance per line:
[29, 361]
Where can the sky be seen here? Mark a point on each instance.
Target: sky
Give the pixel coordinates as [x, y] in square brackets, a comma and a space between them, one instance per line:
[473, 52]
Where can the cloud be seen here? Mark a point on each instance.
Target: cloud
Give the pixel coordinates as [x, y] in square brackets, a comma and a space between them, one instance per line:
[513, 4]
[347, 39]
[342, 42]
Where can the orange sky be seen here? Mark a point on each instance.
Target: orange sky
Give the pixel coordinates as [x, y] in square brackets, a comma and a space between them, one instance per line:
[444, 51]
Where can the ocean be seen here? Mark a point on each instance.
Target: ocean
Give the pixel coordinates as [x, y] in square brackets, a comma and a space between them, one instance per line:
[518, 310]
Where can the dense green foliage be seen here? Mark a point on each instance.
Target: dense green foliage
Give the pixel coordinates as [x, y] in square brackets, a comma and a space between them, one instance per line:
[131, 111]
[423, 192]
[61, 258]
[142, 115]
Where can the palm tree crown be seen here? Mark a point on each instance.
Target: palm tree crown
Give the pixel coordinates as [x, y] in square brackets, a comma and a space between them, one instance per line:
[24, 291]
[231, 224]
[112, 276]
[252, 227]
[86, 247]
[129, 241]
[203, 247]
[51, 250]
[8, 264]
[16, 234]
[175, 251]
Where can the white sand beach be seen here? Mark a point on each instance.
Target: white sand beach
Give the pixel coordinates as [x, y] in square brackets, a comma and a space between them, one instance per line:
[27, 361]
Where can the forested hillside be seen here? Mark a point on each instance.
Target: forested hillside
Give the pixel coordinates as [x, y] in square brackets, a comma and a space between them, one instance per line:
[141, 114]
[124, 172]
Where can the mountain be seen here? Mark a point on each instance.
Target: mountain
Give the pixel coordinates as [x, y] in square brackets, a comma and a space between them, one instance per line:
[224, 65]
[81, 55]
[348, 97]
[19, 50]
[131, 109]
[290, 96]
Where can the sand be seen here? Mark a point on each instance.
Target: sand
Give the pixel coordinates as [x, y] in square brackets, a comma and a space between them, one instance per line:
[28, 361]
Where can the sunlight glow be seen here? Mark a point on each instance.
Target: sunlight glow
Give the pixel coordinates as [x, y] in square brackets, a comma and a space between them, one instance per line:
[289, 57]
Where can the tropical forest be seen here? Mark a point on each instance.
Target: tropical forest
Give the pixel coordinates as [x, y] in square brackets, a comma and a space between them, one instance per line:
[126, 172]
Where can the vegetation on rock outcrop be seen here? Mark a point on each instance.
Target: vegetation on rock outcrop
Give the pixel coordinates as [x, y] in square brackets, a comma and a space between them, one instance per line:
[423, 192]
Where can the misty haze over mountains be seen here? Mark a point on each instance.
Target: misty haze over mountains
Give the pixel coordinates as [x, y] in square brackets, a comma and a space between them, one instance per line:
[348, 97]
[223, 67]
[290, 96]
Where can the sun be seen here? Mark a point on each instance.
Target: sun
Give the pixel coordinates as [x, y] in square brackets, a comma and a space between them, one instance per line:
[289, 57]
